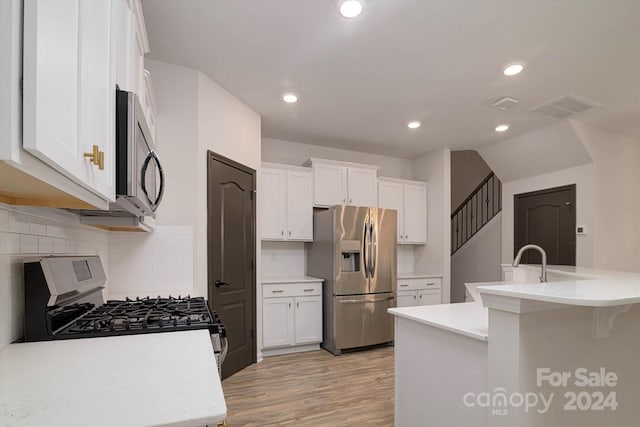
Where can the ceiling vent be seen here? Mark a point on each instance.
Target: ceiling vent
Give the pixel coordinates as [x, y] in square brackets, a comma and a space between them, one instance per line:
[565, 106]
[505, 103]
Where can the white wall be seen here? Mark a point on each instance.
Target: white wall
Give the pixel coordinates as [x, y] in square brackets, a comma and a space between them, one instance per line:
[28, 232]
[617, 204]
[194, 115]
[296, 153]
[606, 201]
[536, 153]
[227, 127]
[478, 260]
[468, 169]
[136, 270]
[434, 257]
[583, 178]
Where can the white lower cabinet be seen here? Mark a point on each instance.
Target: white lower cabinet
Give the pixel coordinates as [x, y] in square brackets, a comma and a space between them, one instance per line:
[419, 291]
[291, 315]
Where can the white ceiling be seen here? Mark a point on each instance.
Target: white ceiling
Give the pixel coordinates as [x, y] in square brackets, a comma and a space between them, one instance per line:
[360, 81]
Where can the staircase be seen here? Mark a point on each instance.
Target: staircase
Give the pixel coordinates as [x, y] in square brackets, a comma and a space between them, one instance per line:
[476, 211]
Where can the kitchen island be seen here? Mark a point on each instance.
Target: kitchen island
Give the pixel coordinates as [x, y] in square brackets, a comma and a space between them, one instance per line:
[167, 379]
[564, 353]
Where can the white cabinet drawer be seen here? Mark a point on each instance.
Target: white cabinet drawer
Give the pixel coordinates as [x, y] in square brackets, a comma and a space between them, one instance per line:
[420, 283]
[278, 290]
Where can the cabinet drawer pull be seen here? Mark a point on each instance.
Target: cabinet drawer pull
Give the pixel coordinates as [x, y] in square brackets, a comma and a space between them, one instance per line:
[430, 284]
[277, 291]
[403, 286]
[309, 290]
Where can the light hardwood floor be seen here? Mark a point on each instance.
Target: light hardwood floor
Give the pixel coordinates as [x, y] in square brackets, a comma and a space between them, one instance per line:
[313, 389]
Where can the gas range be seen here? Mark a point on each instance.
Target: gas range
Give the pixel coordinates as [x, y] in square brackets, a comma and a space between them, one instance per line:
[63, 300]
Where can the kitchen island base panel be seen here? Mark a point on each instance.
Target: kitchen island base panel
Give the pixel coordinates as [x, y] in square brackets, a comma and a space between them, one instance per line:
[560, 342]
[434, 369]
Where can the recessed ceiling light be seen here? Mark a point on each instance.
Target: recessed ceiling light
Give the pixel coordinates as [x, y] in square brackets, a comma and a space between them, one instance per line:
[351, 8]
[513, 69]
[502, 128]
[290, 98]
[413, 125]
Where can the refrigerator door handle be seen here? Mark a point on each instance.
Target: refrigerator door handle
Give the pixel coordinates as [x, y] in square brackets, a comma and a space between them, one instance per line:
[374, 249]
[364, 301]
[365, 251]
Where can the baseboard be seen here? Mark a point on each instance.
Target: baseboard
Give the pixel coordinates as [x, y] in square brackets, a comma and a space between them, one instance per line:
[266, 352]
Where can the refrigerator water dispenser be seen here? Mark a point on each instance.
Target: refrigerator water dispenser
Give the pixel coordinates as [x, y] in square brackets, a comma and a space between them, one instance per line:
[350, 261]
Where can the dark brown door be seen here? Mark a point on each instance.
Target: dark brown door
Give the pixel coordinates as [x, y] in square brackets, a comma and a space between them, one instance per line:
[231, 254]
[547, 218]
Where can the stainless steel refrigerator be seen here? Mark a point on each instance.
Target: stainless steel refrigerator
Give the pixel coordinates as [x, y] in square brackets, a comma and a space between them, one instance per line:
[354, 251]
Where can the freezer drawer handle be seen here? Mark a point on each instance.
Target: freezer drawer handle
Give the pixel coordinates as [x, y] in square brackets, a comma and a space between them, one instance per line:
[360, 301]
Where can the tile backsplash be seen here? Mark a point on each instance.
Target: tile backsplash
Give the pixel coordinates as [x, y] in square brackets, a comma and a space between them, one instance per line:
[151, 264]
[283, 259]
[27, 232]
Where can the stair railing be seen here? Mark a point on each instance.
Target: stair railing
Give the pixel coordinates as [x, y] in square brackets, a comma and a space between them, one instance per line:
[476, 211]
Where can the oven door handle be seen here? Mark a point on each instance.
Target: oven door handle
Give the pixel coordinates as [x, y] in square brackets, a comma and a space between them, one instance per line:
[152, 203]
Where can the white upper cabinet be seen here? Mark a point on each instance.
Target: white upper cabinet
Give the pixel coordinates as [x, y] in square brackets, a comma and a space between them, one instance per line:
[415, 213]
[273, 206]
[286, 211]
[329, 184]
[132, 46]
[362, 187]
[409, 198]
[299, 205]
[391, 196]
[342, 183]
[69, 89]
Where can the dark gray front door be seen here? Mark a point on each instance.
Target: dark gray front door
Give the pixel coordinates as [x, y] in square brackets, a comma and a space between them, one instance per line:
[547, 218]
[231, 256]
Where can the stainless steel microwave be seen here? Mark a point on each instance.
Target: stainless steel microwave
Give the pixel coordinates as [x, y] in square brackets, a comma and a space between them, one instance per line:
[139, 173]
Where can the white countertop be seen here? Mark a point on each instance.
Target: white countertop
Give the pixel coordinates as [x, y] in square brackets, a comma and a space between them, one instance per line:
[470, 319]
[167, 379]
[595, 288]
[417, 275]
[292, 279]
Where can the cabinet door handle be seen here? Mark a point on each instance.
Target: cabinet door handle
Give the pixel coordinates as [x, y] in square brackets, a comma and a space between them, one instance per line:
[415, 297]
[344, 200]
[420, 296]
[282, 233]
[289, 232]
[277, 291]
[297, 304]
[404, 286]
[309, 290]
[350, 200]
[96, 157]
[289, 305]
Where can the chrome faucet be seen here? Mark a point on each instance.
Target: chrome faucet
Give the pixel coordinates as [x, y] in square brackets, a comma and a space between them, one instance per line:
[516, 262]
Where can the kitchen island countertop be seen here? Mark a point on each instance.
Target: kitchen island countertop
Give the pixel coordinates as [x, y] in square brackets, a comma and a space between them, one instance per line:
[167, 379]
[469, 319]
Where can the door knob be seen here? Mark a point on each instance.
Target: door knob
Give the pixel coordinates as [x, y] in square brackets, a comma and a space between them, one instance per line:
[219, 283]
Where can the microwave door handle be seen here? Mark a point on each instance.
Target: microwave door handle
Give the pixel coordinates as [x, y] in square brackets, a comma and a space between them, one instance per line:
[152, 156]
[143, 173]
[161, 172]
